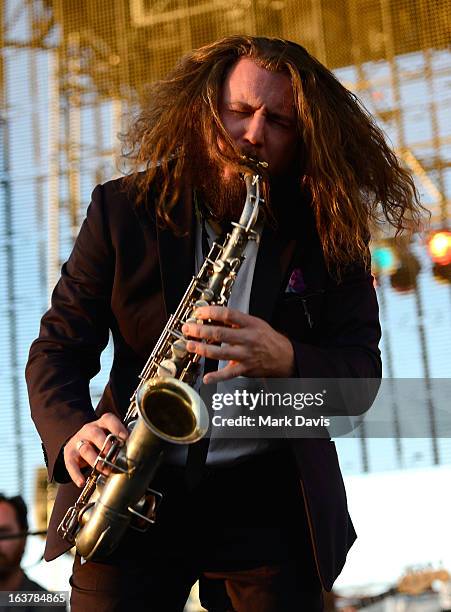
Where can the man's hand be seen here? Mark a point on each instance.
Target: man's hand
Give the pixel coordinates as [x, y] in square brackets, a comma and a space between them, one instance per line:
[252, 347]
[82, 449]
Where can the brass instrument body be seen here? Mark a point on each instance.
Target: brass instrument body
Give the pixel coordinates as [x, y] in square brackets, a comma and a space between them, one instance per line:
[163, 410]
[122, 493]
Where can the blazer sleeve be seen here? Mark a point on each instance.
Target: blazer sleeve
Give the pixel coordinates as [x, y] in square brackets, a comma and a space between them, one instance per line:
[350, 333]
[73, 333]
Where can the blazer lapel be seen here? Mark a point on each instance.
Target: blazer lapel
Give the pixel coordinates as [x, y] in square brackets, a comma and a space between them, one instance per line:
[271, 273]
[176, 254]
[311, 259]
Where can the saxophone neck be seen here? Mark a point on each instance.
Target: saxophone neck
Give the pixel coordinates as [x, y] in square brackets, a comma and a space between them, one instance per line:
[254, 200]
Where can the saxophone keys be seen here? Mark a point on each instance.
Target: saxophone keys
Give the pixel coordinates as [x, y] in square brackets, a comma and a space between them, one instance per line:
[207, 296]
[192, 320]
[179, 348]
[167, 368]
[218, 266]
[235, 264]
[228, 283]
[200, 303]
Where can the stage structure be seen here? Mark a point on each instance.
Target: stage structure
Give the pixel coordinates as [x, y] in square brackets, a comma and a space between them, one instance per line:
[72, 72]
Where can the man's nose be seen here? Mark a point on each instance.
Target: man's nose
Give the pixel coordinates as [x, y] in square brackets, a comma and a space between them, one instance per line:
[255, 130]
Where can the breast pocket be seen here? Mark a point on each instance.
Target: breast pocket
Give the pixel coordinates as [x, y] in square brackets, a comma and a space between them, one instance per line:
[298, 315]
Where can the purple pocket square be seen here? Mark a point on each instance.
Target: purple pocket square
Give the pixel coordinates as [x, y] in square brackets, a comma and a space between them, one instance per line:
[296, 283]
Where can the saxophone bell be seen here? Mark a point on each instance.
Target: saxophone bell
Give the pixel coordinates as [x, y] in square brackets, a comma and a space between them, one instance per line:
[172, 410]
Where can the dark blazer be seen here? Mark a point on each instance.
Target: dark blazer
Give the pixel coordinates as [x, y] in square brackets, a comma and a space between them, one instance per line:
[126, 275]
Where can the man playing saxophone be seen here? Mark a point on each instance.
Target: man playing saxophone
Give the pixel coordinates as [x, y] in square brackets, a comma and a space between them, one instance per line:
[329, 174]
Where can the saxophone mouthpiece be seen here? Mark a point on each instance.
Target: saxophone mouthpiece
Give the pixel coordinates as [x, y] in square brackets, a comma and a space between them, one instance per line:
[257, 163]
[254, 167]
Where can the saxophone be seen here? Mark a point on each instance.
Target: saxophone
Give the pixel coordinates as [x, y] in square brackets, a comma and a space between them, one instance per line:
[164, 409]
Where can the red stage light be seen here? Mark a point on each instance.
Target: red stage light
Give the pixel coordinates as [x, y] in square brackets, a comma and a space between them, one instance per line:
[440, 247]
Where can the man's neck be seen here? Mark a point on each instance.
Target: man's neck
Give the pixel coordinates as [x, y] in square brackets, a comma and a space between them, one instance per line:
[12, 581]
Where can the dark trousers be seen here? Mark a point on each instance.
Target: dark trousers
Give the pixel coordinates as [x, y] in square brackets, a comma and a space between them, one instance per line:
[242, 532]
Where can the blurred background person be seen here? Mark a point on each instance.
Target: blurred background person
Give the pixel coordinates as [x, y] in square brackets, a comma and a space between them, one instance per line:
[13, 539]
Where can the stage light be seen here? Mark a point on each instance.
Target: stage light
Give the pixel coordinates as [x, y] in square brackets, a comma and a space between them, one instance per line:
[440, 247]
[384, 260]
[393, 259]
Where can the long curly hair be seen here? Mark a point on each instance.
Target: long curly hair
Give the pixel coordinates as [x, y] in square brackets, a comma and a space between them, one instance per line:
[350, 172]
